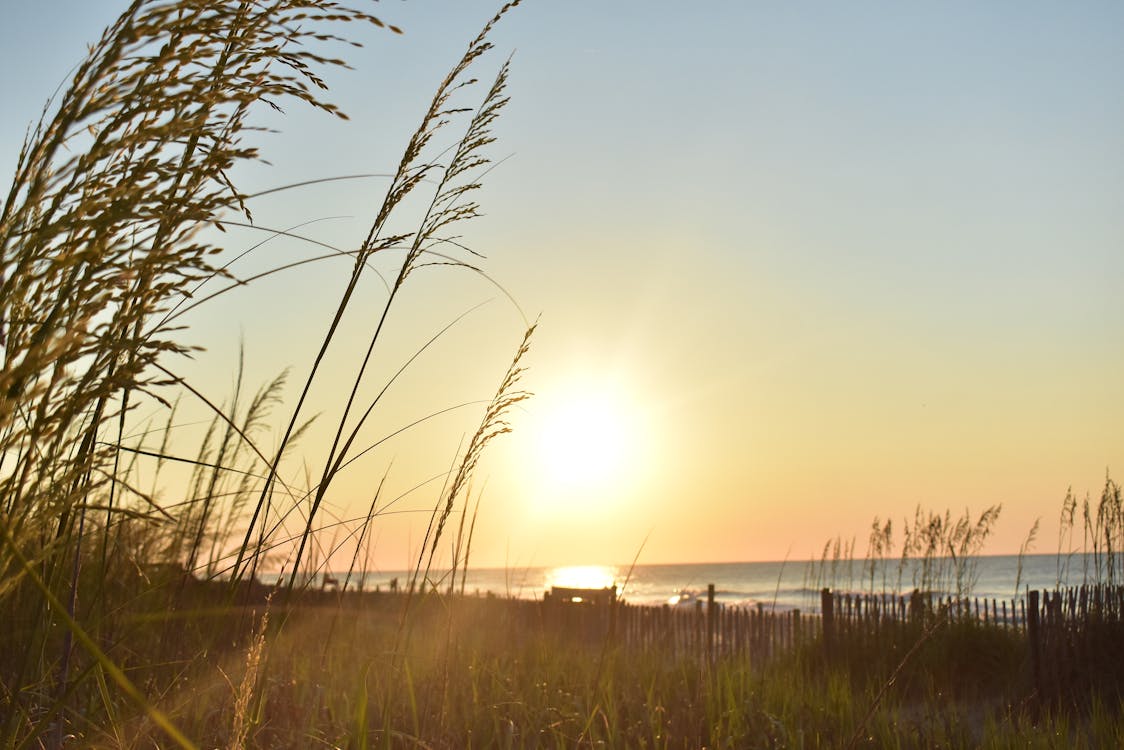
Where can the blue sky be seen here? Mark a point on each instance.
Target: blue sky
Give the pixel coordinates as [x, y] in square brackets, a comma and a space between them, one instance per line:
[835, 260]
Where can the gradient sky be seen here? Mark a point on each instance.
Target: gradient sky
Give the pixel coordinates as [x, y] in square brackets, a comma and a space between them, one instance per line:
[811, 263]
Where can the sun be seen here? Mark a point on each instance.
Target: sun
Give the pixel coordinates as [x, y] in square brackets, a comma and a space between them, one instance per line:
[589, 441]
[584, 442]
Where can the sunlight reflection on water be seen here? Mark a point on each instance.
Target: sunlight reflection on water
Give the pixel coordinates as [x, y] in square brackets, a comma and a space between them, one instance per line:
[582, 577]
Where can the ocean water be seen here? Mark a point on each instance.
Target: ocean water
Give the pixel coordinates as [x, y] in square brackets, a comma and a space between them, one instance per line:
[780, 585]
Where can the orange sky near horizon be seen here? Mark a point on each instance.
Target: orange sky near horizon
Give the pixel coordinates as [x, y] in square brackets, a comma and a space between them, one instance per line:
[796, 268]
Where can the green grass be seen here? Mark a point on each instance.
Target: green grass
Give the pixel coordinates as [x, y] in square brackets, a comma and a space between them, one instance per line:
[474, 673]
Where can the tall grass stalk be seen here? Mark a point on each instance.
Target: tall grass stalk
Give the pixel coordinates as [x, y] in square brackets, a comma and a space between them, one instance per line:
[1024, 548]
[448, 206]
[244, 694]
[1065, 536]
[107, 237]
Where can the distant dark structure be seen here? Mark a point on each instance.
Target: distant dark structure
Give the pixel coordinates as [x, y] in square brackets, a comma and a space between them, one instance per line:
[588, 597]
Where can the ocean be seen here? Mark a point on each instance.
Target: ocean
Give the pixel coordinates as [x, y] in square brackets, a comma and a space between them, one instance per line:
[779, 585]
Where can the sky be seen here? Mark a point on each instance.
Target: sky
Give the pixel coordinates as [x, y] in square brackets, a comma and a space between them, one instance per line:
[796, 266]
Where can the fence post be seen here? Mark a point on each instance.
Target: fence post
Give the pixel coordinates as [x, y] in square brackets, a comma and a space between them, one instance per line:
[710, 623]
[698, 627]
[827, 610]
[1032, 635]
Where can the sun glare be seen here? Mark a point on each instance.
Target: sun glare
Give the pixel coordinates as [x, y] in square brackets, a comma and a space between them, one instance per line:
[589, 441]
[582, 577]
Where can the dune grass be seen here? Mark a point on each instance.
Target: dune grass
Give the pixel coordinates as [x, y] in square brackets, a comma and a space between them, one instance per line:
[132, 619]
[108, 237]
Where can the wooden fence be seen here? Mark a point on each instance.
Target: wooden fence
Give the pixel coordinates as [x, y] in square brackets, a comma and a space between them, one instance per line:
[1073, 636]
[1076, 639]
[707, 630]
